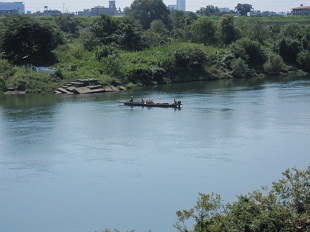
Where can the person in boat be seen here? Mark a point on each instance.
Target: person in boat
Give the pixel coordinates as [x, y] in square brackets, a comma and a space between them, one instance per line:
[175, 102]
[149, 101]
[131, 98]
[142, 101]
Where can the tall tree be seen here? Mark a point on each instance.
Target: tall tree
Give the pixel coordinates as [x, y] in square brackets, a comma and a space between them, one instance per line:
[103, 27]
[67, 24]
[208, 10]
[26, 40]
[100, 32]
[289, 49]
[204, 30]
[227, 30]
[243, 9]
[157, 26]
[145, 11]
[130, 37]
[258, 31]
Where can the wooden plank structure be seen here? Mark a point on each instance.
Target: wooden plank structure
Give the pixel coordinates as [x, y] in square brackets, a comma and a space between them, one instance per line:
[86, 86]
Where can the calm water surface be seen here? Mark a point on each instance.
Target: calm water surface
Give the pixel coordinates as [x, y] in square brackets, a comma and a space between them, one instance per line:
[85, 163]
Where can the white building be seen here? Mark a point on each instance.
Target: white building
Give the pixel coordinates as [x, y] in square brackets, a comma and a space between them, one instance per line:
[224, 9]
[7, 6]
[181, 5]
[301, 11]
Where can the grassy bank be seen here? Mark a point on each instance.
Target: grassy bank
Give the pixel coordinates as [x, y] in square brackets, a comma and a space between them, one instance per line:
[167, 60]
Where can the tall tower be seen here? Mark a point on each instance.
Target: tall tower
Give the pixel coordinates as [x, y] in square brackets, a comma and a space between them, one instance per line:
[181, 5]
[112, 4]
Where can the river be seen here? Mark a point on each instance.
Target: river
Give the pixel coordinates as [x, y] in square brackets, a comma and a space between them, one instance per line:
[83, 163]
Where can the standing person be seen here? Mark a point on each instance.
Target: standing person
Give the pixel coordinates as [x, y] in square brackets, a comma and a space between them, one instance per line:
[131, 98]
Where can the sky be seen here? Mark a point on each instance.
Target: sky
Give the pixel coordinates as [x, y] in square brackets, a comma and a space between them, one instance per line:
[191, 5]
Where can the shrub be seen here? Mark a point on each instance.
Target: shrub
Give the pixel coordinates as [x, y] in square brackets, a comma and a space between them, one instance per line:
[303, 60]
[239, 68]
[275, 64]
[190, 58]
[104, 51]
[2, 83]
[249, 50]
[289, 48]
[112, 64]
[152, 39]
[77, 52]
[286, 207]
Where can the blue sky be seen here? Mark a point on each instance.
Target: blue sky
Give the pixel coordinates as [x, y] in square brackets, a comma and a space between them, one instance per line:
[191, 5]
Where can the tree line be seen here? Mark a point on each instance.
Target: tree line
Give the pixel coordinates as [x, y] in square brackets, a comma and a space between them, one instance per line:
[193, 44]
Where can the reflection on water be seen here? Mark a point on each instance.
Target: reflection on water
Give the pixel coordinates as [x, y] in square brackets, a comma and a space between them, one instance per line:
[86, 162]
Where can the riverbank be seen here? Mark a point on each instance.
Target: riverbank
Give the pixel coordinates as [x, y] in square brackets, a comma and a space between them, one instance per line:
[90, 86]
[160, 59]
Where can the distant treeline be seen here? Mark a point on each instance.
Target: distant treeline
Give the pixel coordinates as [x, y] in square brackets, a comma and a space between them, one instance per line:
[150, 45]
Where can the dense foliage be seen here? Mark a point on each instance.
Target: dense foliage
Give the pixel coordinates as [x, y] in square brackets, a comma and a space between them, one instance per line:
[150, 45]
[145, 11]
[285, 207]
[243, 9]
[27, 40]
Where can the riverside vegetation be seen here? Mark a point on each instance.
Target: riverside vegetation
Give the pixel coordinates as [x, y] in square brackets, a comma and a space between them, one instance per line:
[149, 46]
[157, 47]
[283, 207]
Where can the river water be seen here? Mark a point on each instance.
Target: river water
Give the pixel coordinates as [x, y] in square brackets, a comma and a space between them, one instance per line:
[85, 163]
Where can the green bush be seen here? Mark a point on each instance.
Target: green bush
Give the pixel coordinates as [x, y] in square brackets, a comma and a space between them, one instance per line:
[275, 64]
[289, 48]
[190, 58]
[239, 68]
[303, 60]
[249, 50]
[112, 64]
[104, 51]
[2, 84]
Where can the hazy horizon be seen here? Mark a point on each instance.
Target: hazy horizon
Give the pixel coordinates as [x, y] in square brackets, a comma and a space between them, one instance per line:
[80, 5]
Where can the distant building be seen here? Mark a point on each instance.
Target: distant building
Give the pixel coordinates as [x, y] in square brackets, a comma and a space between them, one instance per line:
[84, 13]
[224, 10]
[258, 13]
[19, 7]
[301, 11]
[52, 13]
[8, 12]
[181, 5]
[98, 10]
[172, 7]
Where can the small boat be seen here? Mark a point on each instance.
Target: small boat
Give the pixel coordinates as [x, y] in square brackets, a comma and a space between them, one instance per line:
[144, 104]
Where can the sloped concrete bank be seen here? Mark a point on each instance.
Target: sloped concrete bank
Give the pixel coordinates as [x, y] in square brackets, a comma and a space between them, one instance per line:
[86, 86]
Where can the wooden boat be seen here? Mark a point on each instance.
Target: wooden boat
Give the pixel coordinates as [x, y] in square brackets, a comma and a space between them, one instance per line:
[164, 105]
